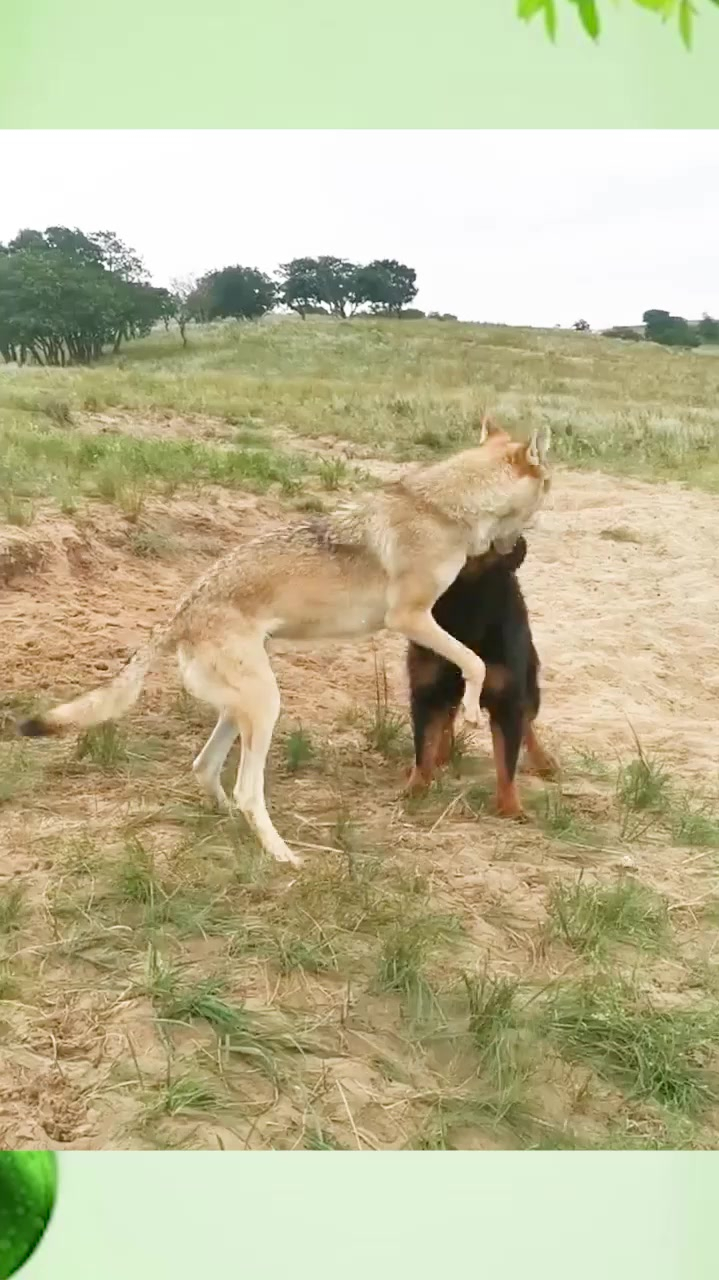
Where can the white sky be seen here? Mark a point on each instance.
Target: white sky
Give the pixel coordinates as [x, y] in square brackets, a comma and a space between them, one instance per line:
[519, 227]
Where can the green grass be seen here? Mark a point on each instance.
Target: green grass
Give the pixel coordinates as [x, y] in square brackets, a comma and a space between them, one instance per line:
[299, 749]
[103, 746]
[483, 1112]
[491, 1004]
[557, 817]
[643, 785]
[407, 950]
[186, 1096]
[406, 389]
[591, 917]
[318, 1138]
[648, 797]
[386, 729]
[13, 907]
[39, 462]
[20, 771]
[309, 954]
[654, 1054]
[694, 823]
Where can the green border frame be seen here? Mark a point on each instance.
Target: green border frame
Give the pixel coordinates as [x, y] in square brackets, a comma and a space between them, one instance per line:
[554, 1216]
[347, 64]
[394, 64]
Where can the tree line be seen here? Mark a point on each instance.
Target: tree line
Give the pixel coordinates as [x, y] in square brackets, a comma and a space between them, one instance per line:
[666, 329]
[66, 295]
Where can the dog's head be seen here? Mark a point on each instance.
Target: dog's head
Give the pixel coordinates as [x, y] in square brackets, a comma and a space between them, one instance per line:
[514, 559]
[508, 561]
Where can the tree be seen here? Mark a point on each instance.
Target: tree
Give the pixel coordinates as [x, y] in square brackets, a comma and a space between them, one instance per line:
[99, 248]
[708, 329]
[581, 326]
[65, 295]
[387, 285]
[138, 307]
[117, 257]
[588, 12]
[241, 292]
[182, 289]
[299, 286]
[337, 286]
[669, 330]
[329, 283]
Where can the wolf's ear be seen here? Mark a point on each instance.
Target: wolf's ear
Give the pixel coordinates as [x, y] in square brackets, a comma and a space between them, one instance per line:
[538, 446]
[488, 428]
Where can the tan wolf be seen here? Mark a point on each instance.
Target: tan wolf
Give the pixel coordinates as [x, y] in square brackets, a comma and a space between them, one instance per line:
[380, 561]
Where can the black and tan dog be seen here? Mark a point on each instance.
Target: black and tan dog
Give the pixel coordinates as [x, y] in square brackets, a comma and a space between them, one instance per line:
[484, 609]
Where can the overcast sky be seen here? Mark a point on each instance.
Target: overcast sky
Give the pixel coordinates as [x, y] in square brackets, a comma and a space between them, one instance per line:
[518, 227]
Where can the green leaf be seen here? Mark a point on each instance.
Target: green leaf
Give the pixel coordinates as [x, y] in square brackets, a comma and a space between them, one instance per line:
[528, 9]
[550, 18]
[686, 22]
[658, 6]
[28, 1186]
[589, 17]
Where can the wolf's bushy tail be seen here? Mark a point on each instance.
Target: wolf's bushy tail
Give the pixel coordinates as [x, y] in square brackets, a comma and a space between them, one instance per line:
[109, 702]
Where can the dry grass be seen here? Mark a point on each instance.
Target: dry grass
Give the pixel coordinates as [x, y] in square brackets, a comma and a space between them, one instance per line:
[434, 978]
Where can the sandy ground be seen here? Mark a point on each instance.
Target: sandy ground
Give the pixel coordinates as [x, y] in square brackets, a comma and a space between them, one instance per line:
[623, 591]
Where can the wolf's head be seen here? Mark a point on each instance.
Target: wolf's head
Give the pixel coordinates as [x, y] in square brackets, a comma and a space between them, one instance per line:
[526, 458]
[523, 477]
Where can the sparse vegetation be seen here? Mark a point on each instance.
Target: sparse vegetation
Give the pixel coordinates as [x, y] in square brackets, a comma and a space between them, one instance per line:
[590, 917]
[658, 1054]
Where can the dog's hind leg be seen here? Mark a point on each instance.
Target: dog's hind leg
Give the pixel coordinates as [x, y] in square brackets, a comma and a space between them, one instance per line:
[207, 766]
[434, 740]
[436, 690]
[540, 761]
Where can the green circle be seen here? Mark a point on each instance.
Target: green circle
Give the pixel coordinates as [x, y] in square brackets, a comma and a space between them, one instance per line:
[28, 1187]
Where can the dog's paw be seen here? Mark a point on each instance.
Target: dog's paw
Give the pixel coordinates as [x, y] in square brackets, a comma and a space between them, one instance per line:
[543, 765]
[416, 783]
[513, 815]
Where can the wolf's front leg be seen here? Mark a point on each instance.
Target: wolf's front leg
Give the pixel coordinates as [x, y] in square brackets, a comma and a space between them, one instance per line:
[419, 626]
[470, 704]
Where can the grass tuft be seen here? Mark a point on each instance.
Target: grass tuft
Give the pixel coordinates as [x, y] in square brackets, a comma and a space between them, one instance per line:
[655, 1054]
[591, 917]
